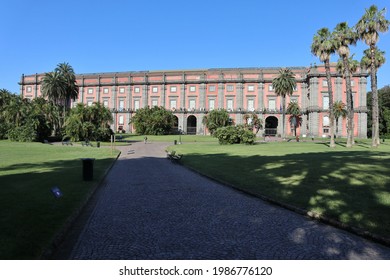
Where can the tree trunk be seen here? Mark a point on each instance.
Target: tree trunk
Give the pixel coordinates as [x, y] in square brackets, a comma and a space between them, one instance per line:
[283, 116]
[331, 113]
[349, 102]
[375, 106]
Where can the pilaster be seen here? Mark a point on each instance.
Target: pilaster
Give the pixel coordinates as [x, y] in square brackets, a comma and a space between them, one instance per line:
[240, 95]
[339, 86]
[260, 96]
[202, 96]
[145, 100]
[113, 99]
[221, 88]
[183, 96]
[163, 89]
[314, 91]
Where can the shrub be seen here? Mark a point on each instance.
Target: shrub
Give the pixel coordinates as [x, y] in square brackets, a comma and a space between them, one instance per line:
[234, 135]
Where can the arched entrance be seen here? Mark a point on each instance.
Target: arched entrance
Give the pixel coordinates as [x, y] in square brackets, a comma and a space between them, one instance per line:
[175, 127]
[271, 126]
[191, 124]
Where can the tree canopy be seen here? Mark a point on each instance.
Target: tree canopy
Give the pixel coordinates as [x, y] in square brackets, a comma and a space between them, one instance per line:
[153, 121]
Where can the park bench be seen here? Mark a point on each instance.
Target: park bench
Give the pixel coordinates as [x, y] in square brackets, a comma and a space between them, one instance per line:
[173, 156]
[67, 142]
[86, 143]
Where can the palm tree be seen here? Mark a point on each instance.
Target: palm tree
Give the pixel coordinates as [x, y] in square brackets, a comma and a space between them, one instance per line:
[53, 87]
[72, 89]
[353, 67]
[216, 119]
[295, 119]
[323, 47]
[252, 121]
[368, 28]
[344, 37]
[339, 111]
[284, 84]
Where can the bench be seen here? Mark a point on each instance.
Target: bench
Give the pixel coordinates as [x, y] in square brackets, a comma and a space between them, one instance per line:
[173, 156]
[67, 142]
[86, 143]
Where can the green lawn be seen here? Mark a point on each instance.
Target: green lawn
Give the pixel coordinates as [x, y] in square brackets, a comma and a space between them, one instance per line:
[168, 138]
[30, 215]
[349, 185]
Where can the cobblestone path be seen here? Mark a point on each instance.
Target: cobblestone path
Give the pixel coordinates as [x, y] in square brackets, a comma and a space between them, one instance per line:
[150, 208]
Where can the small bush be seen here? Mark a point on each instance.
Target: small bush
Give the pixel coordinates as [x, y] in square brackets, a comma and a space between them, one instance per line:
[234, 135]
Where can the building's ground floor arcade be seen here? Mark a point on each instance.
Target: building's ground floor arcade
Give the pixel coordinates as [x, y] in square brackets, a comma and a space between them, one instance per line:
[313, 124]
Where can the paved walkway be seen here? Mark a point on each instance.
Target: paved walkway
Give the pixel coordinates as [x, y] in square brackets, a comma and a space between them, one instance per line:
[150, 208]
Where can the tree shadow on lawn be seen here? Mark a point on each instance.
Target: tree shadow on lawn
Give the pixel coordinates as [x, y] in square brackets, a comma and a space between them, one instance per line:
[352, 187]
[31, 215]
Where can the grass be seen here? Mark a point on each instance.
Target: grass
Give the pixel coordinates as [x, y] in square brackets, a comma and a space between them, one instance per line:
[349, 185]
[167, 138]
[30, 215]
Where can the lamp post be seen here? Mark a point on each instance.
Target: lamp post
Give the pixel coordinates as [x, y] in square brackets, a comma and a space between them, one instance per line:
[179, 134]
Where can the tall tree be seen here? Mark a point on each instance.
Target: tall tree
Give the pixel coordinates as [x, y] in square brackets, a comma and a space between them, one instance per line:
[353, 67]
[284, 84]
[295, 119]
[60, 87]
[323, 47]
[344, 37]
[368, 28]
[71, 87]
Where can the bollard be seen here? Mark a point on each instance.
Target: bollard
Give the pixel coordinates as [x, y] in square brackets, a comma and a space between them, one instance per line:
[88, 169]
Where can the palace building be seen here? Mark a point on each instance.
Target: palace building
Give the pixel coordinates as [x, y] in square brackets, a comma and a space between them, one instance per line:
[190, 94]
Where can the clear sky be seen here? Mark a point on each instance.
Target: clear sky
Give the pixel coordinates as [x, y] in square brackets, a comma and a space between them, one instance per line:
[119, 35]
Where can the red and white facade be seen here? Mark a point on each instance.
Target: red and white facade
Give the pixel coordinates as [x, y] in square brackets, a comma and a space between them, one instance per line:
[190, 94]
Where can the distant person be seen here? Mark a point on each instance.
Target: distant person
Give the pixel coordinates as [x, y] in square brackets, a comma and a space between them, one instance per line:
[145, 139]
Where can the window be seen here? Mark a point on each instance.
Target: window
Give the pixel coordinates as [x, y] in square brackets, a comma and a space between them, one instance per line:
[211, 104]
[154, 102]
[121, 90]
[28, 89]
[251, 105]
[270, 87]
[136, 90]
[352, 83]
[229, 104]
[325, 121]
[325, 102]
[90, 91]
[154, 89]
[230, 88]
[105, 90]
[192, 104]
[192, 88]
[89, 102]
[121, 104]
[251, 88]
[172, 104]
[272, 104]
[212, 88]
[136, 104]
[294, 99]
[173, 89]
[105, 102]
[324, 83]
[121, 120]
[295, 88]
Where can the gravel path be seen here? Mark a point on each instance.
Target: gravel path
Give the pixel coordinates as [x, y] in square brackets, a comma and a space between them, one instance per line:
[150, 208]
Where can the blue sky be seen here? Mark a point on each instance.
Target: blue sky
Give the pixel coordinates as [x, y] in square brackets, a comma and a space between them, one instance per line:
[118, 35]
